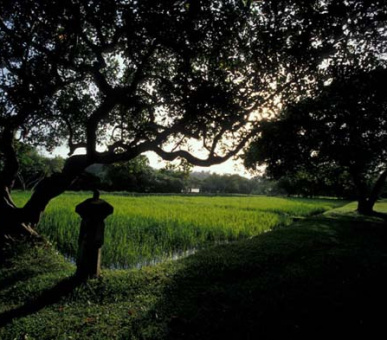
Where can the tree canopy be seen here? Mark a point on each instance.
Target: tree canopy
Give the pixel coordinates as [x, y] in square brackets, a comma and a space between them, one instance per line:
[116, 78]
[345, 128]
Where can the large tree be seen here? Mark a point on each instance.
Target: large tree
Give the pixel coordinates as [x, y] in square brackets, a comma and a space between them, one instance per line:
[116, 78]
[345, 128]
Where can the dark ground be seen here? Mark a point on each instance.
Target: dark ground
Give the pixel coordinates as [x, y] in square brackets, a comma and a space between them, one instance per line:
[320, 277]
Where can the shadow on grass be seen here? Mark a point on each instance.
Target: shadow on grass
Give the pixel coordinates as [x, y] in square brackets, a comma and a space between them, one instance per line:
[47, 298]
[17, 277]
[321, 277]
[380, 215]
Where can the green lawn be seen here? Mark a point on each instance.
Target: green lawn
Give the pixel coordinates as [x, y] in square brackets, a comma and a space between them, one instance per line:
[321, 277]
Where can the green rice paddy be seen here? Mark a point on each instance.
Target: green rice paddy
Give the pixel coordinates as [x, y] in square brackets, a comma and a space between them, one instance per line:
[145, 229]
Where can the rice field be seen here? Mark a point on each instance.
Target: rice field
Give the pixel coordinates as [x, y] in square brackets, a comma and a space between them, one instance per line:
[147, 229]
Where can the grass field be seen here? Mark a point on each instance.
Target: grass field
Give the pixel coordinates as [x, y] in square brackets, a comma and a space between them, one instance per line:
[151, 228]
[319, 277]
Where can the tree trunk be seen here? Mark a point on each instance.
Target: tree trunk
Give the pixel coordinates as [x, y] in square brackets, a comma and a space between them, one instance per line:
[378, 186]
[20, 222]
[22, 182]
[11, 224]
[366, 204]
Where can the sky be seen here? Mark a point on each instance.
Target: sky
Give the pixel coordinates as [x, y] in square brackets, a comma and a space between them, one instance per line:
[229, 167]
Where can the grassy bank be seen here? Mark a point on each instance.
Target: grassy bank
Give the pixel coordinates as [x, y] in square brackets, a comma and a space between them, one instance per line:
[322, 276]
[146, 228]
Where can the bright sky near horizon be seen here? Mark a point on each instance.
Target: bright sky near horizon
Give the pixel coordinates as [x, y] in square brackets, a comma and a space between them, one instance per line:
[229, 167]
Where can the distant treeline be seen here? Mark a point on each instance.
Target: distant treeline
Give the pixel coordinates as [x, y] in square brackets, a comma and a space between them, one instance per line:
[137, 176]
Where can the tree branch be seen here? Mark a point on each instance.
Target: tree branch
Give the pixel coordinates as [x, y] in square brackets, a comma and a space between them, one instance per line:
[210, 160]
[92, 125]
[51, 187]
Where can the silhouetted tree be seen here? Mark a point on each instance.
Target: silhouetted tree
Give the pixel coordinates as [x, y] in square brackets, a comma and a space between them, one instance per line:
[133, 76]
[344, 128]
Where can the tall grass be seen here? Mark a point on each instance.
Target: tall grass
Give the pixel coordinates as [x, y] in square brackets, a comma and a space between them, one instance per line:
[146, 228]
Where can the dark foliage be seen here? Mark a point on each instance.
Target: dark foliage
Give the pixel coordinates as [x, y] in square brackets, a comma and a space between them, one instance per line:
[339, 134]
[118, 78]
